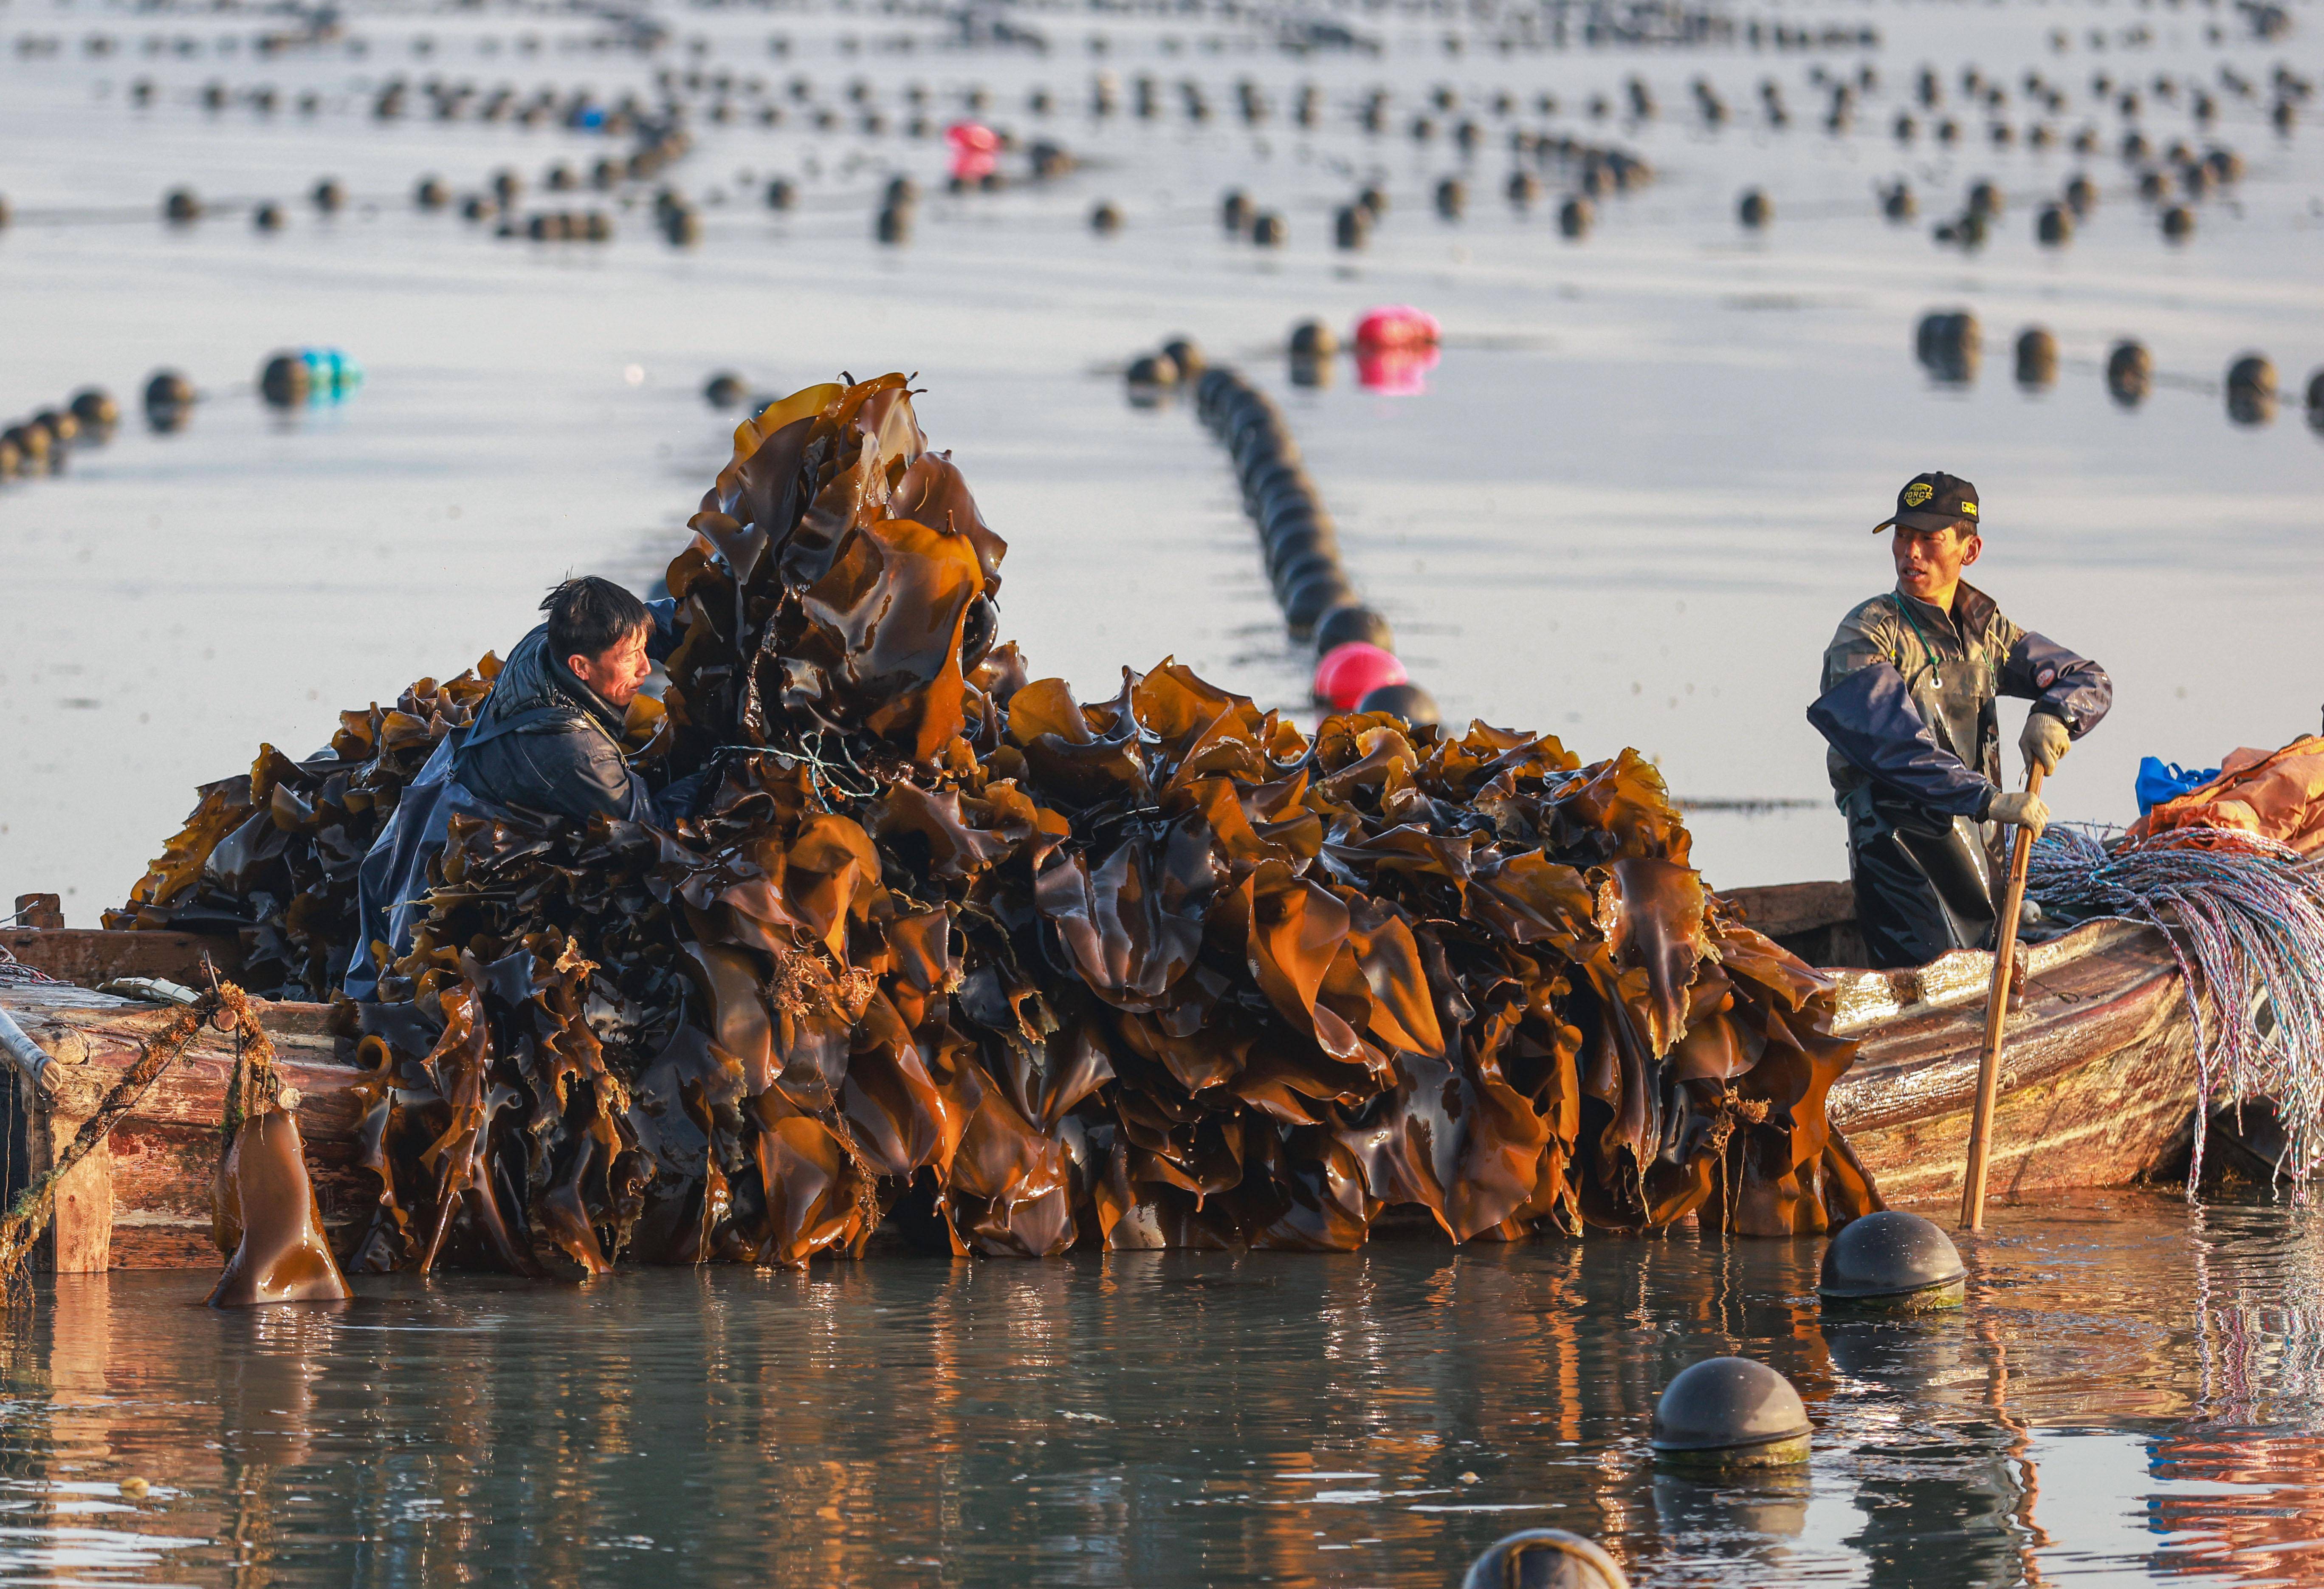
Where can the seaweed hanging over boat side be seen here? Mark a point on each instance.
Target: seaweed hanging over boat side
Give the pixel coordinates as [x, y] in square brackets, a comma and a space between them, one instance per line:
[951, 950]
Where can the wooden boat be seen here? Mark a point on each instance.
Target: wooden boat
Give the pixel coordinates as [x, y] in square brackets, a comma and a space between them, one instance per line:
[2100, 1085]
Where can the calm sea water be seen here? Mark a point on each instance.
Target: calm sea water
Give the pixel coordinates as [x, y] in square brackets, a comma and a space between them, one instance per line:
[1629, 508]
[2134, 1394]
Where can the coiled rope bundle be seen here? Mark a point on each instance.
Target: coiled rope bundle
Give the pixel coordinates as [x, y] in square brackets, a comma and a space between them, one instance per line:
[2244, 915]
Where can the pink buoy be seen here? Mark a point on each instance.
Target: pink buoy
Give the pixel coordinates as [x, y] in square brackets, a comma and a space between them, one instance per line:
[974, 145]
[1346, 673]
[1396, 371]
[1397, 325]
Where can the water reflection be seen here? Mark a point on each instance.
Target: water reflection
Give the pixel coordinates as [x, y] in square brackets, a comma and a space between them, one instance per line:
[1178, 1419]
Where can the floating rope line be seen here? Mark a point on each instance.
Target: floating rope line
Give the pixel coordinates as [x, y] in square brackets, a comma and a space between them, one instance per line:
[2245, 916]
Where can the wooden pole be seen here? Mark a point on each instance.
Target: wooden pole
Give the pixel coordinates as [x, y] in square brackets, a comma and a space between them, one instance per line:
[1996, 1016]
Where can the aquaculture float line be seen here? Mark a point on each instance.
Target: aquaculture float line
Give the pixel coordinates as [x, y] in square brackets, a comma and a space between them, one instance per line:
[1951, 346]
[942, 948]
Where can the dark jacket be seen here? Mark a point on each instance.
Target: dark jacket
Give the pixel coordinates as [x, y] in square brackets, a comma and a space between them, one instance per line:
[546, 742]
[1908, 694]
[1907, 708]
[542, 740]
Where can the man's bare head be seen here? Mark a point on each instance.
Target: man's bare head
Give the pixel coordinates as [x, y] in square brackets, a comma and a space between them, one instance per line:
[598, 631]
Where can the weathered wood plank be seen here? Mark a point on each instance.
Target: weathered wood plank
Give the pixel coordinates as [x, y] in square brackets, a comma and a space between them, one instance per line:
[88, 956]
[80, 1230]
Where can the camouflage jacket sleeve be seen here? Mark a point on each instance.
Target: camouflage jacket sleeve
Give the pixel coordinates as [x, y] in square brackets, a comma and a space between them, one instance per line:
[1866, 713]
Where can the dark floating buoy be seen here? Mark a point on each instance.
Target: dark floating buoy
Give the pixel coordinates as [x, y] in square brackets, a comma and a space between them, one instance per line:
[2251, 390]
[180, 207]
[93, 407]
[1351, 226]
[1893, 1262]
[1153, 370]
[1451, 198]
[1545, 1559]
[1730, 1412]
[1268, 230]
[1414, 705]
[1949, 345]
[2037, 358]
[169, 398]
[1574, 217]
[267, 218]
[1343, 626]
[1234, 211]
[2129, 374]
[1306, 603]
[1314, 339]
[724, 390]
[1755, 209]
[2178, 224]
[1104, 219]
[1311, 372]
[283, 380]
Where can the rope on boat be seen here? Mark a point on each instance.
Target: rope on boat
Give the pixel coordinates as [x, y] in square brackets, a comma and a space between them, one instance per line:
[22, 1225]
[2245, 916]
[12, 970]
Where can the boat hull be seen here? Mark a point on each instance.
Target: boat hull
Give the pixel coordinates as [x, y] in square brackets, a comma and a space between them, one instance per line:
[2099, 1083]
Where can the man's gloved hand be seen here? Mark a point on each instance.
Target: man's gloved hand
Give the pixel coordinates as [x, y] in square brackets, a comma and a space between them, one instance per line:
[2044, 742]
[2021, 810]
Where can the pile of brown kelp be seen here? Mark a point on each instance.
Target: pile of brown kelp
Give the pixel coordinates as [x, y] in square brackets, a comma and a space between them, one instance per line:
[954, 950]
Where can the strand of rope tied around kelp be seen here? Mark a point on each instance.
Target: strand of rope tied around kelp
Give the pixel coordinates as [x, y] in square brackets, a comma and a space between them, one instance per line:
[2244, 915]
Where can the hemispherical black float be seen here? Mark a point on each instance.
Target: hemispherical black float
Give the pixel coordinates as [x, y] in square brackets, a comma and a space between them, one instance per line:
[1893, 1262]
[1730, 1412]
[1545, 1559]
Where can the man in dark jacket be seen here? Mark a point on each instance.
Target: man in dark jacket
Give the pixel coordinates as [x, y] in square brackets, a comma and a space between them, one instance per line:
[1907, 709]
[547, 739]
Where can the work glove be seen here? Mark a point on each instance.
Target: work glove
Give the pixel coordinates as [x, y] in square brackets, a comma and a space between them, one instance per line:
[2044, 742]
[2021, 810]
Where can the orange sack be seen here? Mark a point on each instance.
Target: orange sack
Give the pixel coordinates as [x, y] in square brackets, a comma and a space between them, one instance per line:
[2277, 794]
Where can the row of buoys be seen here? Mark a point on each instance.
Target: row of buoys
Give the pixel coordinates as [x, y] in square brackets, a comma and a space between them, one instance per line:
[1721, 1417]
[1948, 343]
[562, 225]
[39, 444]
[1357, 667]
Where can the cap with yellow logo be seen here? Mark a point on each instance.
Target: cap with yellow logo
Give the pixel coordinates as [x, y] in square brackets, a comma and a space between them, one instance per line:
[1934, 501]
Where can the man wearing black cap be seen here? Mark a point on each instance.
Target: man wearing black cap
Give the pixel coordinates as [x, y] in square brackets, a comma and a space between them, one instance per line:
[1907, 708]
